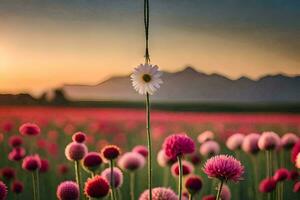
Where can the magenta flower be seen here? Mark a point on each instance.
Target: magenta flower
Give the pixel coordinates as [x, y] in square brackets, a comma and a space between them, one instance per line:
[79, 137]
[281, 174]
[17, 154]
[178, 144]
[293, 175]
[295, 151]
[235, 141]
[92, 162]
[117, 174]
[32, 163]
[131, 161]
[96, 187]
[15, 141]
[141, 150]
[250, 143]
[3, 191]
[75, 151]
[159, 193]
[225, 193]
[8, 173]
[187, 168]
[296, 187]
[193, 184]
[67, 190]
[267, 185]
[209, 197]
[17, 187]
[29, 129]
[224, 168]
[44, 166]
[110, 152]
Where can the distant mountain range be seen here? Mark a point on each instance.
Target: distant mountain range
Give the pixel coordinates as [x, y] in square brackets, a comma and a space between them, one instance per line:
[190, 85]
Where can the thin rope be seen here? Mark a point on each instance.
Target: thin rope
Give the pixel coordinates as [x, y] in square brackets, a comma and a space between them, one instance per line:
[146, 23]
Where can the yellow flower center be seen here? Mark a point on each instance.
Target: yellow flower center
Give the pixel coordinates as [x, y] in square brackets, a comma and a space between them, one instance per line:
[147, 78]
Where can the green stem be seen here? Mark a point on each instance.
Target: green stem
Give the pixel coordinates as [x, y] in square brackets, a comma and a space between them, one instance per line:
[166, 176]
[149, 146]
[37, 185]
[219, 190]
[33, 186]
[180, 178]
[132, 183]
[112, 180]
[78, 178]
[190, 196]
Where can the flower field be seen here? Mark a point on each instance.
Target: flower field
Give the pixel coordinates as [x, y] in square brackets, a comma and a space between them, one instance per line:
[261, 166]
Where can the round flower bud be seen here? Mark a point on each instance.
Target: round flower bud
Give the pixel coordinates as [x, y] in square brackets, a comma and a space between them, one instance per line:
[92, 162]
[75, 151]
[110, 152]
[32, 163]
[67, 190]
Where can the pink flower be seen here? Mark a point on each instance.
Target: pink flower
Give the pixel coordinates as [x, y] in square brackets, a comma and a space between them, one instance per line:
[8, 173]
[3, 191]
[32, 163]
[96, 187]
[296, 187]
[178, 144]
[159, 193]
[17, 154]
[75, 151]
[288, 140]
[29, 129]
[295, 151]
[293, 175]
[267, 185]
[187, 168]
[225, 193]
[250, 143]
[205, 136]
[224, 168]
[209, 148]
[281, 174]
[92, 162]
[193, 184]
[67, 190]
[79, 137]
[163, 160]
[17, 187]
[117, 175]
[235, 141]
[131, 161]
[15, 141]
[44, 166]
[268, 141]
[141, 150]
[195, 158]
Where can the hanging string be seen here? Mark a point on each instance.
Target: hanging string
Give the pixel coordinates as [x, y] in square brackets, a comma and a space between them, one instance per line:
[146, 23]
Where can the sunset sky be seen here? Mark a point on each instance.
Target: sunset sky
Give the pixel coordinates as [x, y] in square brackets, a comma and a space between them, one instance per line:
[46, 43]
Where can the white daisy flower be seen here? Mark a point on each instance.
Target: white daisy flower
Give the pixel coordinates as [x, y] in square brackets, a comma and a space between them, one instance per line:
[146, 79]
